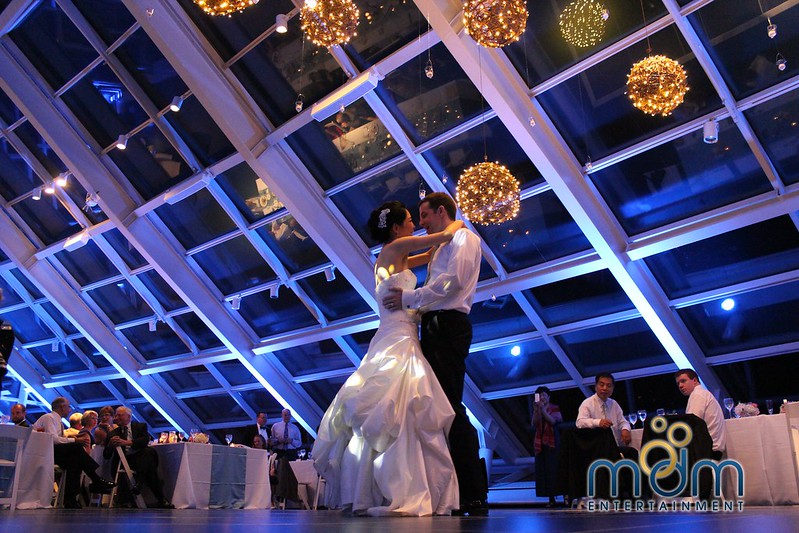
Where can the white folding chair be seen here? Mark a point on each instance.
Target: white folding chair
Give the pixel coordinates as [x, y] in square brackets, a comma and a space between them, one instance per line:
[11, 499]
[124, 469]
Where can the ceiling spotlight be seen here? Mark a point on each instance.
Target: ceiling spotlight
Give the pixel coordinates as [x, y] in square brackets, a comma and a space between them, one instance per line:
[728, 304]
[281, 23]
[49, 188]
[274, 291]
[771, 29]
[781, 62]
[516, 351]
[235, 302]
[330, 273]
[37, 193]
[122, 142]
[61, 180]
[151, 325]
[175, 104]
[711, 131]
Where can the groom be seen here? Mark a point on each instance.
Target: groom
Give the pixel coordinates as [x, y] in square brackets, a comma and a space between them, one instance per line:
[445, 301]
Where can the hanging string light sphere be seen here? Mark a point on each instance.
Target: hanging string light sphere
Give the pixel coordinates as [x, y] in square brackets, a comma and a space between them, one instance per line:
[657, 85]
[495, 23]
[487, 193]
[219, 8]
[582, 23]
[329, 22]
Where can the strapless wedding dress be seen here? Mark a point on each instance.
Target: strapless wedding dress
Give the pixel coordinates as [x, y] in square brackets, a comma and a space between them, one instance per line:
[381, 446]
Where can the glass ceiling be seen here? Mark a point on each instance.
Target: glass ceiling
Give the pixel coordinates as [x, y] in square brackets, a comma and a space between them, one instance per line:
[219, 265]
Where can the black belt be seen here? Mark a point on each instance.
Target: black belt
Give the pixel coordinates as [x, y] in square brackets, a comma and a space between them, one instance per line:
[442, 312]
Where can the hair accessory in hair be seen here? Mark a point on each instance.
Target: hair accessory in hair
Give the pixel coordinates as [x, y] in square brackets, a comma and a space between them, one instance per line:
[381, 219]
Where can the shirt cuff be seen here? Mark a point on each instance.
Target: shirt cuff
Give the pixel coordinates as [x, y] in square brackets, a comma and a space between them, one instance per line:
[408, 299]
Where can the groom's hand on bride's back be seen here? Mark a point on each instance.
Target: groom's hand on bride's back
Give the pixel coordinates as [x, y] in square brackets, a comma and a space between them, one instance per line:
[393, 299]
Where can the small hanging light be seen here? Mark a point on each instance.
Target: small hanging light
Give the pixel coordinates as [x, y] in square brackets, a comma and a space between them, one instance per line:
[582, 23]
[487, 193]
[657, 85]
[495, 23]
[329, 22]
[220, 8]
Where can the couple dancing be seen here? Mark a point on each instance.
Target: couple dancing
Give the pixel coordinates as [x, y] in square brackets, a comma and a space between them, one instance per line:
[396, 439]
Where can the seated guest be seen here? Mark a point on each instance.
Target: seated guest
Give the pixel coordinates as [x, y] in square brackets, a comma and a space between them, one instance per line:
[74, 425]
[18, 415]
[601, 411]
[286, 437]
[88, 422]
[704, 405]
[134, 440]
[68, 454]
[107, 416]
[258, 443]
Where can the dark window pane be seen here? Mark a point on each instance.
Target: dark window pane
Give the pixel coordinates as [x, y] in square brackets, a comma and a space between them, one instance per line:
[89, 350]
[126, 251]
[517, 412]
[28, 327]
[594, 114]
[292, 245]
[89, 393]
[262, 402]
[681, 178]
[203, 137]
[741, 255]
[235, 373]
[322, 391]
[28, 284]
[8, 110]
[427, 107]
[498, 318]
[165, 295]
[272, 316]
[66, 326]
[336, 299]
[190, 379]
[151, 416]
[150, 163]
[48, 218]
[61, 361]
[497, 368]
[313, 358]
[760, 318]
[198, 332]
[384, 27]
[215, 409]
[53, 44]
[88, 264]
[586, 296]
[155, 344]
[120, 302]
[542, 231]
[125, 388]
[613, 348]
[16, 177]
[196, 220]
[249, 192]
[234, 265]
[776, 124]
[758, 380]
[150, 69]
[104, 106]
[42, 151]
[109, 18]
[10, 296]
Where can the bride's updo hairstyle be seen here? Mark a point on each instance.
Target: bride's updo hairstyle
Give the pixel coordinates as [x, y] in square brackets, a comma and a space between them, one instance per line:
[383, 219]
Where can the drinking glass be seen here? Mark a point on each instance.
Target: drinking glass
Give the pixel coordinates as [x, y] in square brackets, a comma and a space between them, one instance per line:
[164, 437]
[729, 404]
[642, 416]
[661, 412]
[301, 453]
[770, 407]
[173, 437]
[228, 438]
[632, 418]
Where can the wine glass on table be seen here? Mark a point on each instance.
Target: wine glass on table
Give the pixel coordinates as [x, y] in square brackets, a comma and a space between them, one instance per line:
[228, 438]
[632, 418]
[642, 417]
[728, 404]
[661, 412]
[301, 454]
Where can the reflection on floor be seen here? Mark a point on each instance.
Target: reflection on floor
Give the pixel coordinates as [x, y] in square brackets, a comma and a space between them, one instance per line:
[771, 519]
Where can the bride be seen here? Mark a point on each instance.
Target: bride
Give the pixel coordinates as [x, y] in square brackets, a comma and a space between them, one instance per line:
[381, 445]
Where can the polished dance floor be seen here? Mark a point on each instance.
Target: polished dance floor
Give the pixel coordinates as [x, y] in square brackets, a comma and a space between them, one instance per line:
[754, 519]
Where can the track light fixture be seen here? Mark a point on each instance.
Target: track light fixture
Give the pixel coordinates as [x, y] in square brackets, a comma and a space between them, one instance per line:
[711, 131]
[61, 179]
[281, 23]
[175, 104]
[122, 142]
[330, 273]
[37, 193]
[274, 292]
[235, 302]
[49, 188]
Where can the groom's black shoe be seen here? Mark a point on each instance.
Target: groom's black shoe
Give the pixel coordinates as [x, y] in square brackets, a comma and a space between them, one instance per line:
[473, 508]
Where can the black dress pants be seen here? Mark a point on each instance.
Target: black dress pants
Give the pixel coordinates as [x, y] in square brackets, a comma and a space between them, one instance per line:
[71, 457]
[445, 338]
[145, 462]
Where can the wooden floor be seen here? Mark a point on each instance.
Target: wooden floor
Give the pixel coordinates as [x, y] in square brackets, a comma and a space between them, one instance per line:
[751, 520]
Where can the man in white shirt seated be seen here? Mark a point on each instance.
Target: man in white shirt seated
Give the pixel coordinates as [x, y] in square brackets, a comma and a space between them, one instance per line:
[704, 405]
[68, 454]
[600, 411]
[286, 437]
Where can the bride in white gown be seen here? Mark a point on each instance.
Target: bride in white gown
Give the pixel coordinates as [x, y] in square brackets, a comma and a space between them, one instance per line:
[381, 445]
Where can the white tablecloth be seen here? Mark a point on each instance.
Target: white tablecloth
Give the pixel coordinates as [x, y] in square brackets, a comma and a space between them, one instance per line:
[207, 476]
[306, 474]
[761, 445]
[36, 474]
